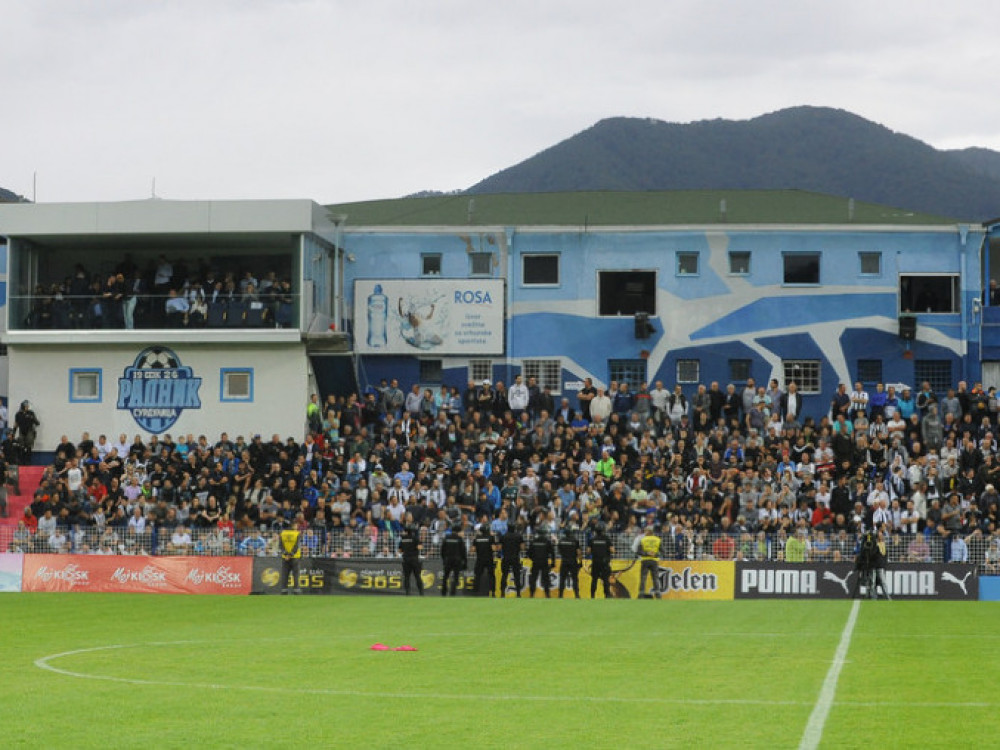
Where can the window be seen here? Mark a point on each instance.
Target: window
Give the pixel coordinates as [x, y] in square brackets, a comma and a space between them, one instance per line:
[687, 264]
[480, 370]
[236, 384]
[871, 264]
[801, 268]
[430, 264]
[431, 371]
[869, 371]
[935, 371]
[739, 263]
[540, 269]
[631, 371]
[626, 292]
[548, 372]
[688, 370]
[804, 373]
[932, 293]
[481, 264]
[739, 370]
[85, 386]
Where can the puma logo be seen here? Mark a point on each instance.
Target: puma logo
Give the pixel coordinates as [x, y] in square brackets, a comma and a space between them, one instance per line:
[829, 575]
[946, 576]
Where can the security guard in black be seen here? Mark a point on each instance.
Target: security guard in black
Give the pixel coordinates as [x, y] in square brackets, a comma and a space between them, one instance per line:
[485, 578]
[542, 553]
[409, 548]
[511, 546]
[600, 562]
[569, 562]
[455, 560]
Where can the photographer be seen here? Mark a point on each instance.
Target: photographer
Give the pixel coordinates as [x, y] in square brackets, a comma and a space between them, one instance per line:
[869, 562]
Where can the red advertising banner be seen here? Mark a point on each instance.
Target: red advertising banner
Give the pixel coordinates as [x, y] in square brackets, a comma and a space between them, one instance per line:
[138, 575]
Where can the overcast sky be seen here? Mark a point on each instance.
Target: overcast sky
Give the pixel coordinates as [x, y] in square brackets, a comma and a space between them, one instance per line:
[344, 101]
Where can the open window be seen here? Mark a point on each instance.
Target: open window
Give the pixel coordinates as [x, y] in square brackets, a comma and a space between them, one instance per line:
[626, 292]
[928, 293]
[801, 268]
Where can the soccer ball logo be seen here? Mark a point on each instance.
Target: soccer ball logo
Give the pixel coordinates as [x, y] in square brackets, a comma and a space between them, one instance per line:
[156, 358]
[157, 388]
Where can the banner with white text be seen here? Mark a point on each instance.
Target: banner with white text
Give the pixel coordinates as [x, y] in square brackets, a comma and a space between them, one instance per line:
[439, 316]
[768, 580]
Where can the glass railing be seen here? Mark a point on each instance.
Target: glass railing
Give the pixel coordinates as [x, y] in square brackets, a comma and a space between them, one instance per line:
[41, 312]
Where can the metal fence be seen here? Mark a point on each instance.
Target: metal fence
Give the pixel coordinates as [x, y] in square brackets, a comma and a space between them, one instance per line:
[372, 541]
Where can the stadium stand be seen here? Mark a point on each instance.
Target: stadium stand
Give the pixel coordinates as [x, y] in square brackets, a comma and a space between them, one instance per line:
[720, 475]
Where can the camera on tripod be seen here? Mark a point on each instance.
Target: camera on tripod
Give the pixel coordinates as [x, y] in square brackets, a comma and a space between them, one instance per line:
[869, 562]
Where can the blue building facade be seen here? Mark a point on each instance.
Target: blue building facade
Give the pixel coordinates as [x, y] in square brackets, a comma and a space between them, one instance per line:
[818, 290]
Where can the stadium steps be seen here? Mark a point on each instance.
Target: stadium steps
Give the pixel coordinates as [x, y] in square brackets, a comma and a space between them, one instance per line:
[29, 478]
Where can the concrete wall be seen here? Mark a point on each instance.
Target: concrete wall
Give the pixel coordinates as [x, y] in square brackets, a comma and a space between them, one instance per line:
[43, 375]
[712, 316]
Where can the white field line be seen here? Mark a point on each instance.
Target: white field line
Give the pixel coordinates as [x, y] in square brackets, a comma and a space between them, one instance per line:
[817, 719]
[45, 662]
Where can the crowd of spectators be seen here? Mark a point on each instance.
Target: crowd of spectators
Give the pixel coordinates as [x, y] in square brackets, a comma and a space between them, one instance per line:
[164, 295]
[733, 473]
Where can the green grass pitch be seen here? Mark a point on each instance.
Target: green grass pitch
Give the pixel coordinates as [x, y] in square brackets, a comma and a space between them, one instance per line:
[90, 670]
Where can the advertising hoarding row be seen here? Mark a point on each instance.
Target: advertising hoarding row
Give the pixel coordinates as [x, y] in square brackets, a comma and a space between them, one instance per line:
[679, 580]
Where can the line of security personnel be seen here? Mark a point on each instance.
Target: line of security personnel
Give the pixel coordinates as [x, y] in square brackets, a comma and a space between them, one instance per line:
[541, 552]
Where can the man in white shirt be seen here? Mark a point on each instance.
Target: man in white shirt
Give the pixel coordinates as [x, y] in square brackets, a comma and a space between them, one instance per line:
[74, 478]
[103, 447]
[878, 495]
[659, 397]
[180, 541]
[600, 407]
[518, 396]
[58, 543]
[413, 400]
[137, 523]
[122, 445]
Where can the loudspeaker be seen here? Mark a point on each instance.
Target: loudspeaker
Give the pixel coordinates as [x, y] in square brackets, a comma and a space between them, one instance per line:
[907, 327]
[643, 328]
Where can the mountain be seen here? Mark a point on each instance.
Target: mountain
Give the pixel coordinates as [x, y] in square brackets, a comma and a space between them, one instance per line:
[6, 196]
[808, 148]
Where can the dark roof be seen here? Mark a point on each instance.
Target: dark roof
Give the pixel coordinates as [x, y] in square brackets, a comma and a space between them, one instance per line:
[655, 208]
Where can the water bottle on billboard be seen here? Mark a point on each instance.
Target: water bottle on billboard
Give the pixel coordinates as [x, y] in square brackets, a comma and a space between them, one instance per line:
[378, 312]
